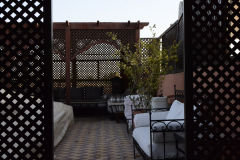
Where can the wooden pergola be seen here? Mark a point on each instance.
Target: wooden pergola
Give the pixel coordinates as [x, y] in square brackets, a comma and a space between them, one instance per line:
[73, 39]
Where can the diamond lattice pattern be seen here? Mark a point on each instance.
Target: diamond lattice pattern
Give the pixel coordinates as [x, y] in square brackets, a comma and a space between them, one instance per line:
[22, 71]
[216, 73]
[93, 57]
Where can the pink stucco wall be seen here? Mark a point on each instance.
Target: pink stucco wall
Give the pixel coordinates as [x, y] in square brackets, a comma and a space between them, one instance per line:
[170, 80]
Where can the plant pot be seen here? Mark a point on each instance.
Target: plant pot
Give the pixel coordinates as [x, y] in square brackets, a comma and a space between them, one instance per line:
[159, 102]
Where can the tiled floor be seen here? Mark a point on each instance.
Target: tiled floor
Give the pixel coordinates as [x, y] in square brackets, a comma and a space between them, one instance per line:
[95, 138]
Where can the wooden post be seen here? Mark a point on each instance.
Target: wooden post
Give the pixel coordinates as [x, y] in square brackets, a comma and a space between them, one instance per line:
[137, 33]
[68, 60]
[74, 72]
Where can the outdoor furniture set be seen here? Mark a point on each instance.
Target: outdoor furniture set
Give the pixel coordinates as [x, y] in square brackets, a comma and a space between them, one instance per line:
[159, 132]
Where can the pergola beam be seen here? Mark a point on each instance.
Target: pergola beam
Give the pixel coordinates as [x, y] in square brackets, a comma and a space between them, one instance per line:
[101, 25]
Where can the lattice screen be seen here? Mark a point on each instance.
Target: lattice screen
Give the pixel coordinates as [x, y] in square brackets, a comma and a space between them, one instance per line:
[94, 58]
[147, 41]
[215, 74]
[59, 64]
[25, 93]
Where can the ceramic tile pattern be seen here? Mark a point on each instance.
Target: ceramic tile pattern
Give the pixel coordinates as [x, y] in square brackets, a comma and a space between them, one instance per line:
[95, 138]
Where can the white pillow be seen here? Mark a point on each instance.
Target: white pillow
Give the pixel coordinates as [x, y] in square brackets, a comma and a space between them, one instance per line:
[176, 111]
[159, 102]
[142, 119]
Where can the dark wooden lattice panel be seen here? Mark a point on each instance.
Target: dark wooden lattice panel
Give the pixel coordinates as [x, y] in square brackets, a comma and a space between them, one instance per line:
[213, 69]
[146, 41]
[25, 89]
[102, 51]
[59, 53]
[59, 43]
[59, 69]
[87, 43]
[94, 55]
[109, 69]
[87, 70]
[59, 84]
[81, 39]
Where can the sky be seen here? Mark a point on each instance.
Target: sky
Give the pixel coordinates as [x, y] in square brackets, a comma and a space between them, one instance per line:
[162, 13]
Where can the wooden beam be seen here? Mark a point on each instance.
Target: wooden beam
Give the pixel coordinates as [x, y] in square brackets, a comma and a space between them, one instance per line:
[102, 25]
[137, 32]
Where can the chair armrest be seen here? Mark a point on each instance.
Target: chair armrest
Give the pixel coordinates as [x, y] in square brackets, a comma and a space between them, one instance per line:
[167, 125]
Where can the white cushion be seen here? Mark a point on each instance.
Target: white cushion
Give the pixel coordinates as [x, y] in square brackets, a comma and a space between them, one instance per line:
[159, 102]
[142, 136]
[142, 119]
[176, 111]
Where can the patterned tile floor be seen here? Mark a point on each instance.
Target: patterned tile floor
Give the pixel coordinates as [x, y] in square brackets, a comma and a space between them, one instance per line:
[95, 138]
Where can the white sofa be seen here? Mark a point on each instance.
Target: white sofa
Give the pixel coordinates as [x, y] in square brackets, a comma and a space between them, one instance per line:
[147, 140]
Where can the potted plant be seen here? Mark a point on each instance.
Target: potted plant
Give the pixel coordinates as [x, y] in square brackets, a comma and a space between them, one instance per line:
[146, 65]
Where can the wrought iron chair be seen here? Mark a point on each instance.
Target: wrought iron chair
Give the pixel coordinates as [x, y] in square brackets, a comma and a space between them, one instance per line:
[163, 127]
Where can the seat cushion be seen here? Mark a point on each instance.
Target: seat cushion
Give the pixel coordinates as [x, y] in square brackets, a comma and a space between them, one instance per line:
[142, 120]
[142, 137]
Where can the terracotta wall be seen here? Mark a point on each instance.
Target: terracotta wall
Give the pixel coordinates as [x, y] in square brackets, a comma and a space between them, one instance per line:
[169, 81]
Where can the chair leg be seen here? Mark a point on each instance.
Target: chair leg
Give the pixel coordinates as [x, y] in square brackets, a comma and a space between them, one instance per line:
[134, 152]
[127, 126]
[177, 148]
[164, 145]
